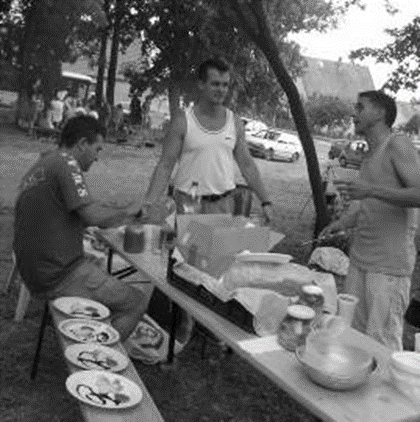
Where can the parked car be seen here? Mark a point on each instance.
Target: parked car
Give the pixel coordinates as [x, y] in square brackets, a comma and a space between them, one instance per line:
[252, 126]
[336, 149]
[274, 144]
[353, 153]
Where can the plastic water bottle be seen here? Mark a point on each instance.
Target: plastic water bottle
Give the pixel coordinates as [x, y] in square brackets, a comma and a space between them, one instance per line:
[192, 203]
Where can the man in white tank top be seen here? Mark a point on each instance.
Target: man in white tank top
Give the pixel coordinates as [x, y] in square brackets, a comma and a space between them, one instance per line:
[206, 140]
[383, 253]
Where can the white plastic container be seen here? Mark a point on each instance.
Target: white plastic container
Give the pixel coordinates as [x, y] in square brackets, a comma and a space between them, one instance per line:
[405, 373]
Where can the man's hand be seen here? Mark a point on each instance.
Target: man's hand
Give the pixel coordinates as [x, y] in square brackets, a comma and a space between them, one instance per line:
[268, 214]
[354, 189]
[332, 229]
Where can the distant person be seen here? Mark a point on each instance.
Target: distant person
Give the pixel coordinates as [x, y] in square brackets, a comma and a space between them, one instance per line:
[118, 118]
[383, 253]
[53, 208]
[91, 107]
[57, 110]
[80, 109]
[135, 110]
[46, 118]
[70, 104]
[206, 140]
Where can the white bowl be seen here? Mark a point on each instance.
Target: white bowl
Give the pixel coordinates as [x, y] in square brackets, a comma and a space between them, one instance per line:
[405, 373]
[344, 368]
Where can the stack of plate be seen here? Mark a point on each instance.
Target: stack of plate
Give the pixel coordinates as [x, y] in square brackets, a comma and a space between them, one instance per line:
[405, 373]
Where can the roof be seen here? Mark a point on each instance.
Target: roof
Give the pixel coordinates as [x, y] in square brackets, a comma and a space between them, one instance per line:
[79, 76]
[334, 78]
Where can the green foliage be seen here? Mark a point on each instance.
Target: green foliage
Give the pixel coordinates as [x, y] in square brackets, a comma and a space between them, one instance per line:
[413, 125]
[404, 51]
[328, 111]
[37, 36]
[179, 35]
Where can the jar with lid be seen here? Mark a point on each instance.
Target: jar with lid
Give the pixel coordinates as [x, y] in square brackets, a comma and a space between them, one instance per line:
[312, 296]
[134, 238]
[295, 326]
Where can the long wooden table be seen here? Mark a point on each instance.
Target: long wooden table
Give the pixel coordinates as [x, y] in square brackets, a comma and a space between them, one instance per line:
[146, 410]
[377, 401]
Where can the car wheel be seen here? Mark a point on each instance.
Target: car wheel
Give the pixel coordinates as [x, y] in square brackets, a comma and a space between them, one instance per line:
[294, 157]
[343, 162]
[269, 154]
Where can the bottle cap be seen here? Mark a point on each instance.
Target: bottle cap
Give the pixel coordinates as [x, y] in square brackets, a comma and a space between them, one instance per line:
[312, 290]
[301, 312]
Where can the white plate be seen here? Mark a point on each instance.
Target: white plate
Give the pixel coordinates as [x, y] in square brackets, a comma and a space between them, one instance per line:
[272, 258]
[79, 307]
[89, 331]
[95, 356]
[104, 389]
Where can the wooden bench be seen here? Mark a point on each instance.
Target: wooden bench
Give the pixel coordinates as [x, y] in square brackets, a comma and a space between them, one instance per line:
[146, 410]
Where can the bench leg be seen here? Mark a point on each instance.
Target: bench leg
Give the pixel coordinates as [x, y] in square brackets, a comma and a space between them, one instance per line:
[23, 302]
[13, 275]
[109, 262]
[45, 318]
[171, 346]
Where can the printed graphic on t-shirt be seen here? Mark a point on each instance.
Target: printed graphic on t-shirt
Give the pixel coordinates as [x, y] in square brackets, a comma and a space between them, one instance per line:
[76, 175]
[33, 179]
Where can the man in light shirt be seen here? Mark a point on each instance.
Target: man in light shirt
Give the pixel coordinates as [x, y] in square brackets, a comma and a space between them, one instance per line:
[206, 140]
[383, 253]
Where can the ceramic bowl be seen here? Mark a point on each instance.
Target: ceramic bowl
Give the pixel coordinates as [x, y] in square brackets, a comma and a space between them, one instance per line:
[343, 367]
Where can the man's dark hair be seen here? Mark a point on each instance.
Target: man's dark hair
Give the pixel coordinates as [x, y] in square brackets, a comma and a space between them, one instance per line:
[216, 63]
[384, 101]
[81, 127]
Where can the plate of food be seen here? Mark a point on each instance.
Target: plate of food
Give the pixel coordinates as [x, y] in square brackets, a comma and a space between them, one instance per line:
[88, 331]
[104, 389]
[264, 257]
[79, 307]
[96, 356]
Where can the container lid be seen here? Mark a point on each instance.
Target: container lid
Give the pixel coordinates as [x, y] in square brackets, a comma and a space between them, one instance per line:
[407, 361]
[312, 290]
[301, 312]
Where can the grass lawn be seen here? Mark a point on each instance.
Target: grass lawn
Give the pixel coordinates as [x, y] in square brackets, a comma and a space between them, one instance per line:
[218, 388]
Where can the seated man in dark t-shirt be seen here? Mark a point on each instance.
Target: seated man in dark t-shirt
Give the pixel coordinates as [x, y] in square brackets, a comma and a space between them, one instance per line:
[52, 210]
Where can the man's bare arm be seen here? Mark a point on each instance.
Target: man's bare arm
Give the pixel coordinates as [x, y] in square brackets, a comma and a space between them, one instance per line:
[103, 217]
[406, 162]
[172, 147]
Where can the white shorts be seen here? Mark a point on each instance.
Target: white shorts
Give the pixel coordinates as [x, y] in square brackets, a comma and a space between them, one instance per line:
[383, 300]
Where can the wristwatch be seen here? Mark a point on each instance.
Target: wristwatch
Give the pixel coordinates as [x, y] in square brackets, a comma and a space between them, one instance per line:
[266, 203]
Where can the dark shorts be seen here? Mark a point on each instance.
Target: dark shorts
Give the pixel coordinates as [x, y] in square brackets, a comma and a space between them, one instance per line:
[89, 281]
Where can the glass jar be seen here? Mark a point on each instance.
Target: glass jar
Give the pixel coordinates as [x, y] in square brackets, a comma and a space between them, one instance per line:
[134, 238]
[312, 296]
[295, 326]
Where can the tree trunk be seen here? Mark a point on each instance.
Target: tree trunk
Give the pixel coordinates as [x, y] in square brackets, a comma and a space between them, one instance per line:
[254, 23]
[113, 60]
[174, 94]
[24, 106]
[302, 127]
[99, 89]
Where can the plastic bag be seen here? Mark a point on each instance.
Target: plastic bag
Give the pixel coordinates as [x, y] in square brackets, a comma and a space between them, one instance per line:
[330, 259]
[149, 342]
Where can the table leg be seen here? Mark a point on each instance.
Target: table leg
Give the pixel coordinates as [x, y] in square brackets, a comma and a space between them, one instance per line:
[109, 262]
[175, 312]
